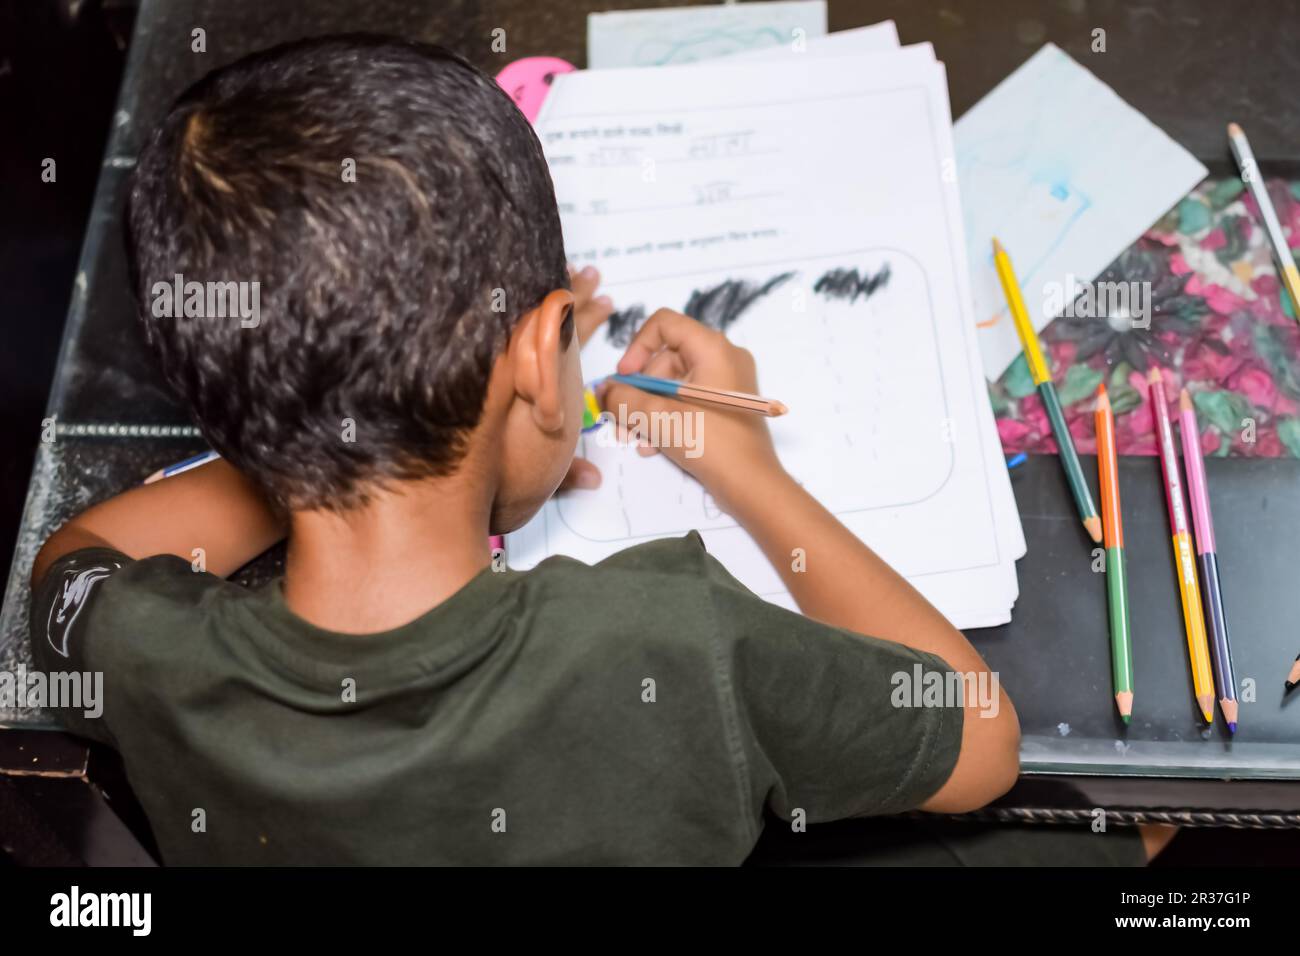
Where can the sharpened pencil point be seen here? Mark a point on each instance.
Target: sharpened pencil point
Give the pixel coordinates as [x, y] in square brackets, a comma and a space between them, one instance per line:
[1154, 376]
[1229, 708]
[1185, 401]
[778, 409]
[1235, 130]
[1293, 678]
[1103, 400]
[1206, 702]
[1124, 701]
[1093, 524]
[1126, 718]
[997, 246]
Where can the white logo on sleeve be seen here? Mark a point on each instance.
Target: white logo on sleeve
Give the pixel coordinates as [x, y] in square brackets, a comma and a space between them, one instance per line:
[77, 587]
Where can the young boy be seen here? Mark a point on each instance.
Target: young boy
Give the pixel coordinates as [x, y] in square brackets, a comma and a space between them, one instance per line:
[412, 385]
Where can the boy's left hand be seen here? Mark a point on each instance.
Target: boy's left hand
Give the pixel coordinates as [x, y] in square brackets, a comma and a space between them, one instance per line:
[590, 312]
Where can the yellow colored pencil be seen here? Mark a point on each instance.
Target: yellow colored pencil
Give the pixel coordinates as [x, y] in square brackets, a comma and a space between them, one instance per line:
[1042, 377]
[1198, 647]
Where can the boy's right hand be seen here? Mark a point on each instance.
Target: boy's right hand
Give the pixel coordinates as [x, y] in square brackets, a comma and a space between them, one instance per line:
[733, 447]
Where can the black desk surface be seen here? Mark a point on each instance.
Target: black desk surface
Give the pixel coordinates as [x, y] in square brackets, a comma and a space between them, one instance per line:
[1189, 66]
[1054, 658]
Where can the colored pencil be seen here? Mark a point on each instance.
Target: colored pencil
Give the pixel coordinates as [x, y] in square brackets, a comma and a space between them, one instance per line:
[1254, 181]
[1198, 650]
[1047, 392]
[1112, 523]
[182, 466]
[1293, 678]
[1216, 620]
[702, 393]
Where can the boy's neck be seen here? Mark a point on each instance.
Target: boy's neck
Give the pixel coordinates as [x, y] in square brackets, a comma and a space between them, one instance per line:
[386, 563]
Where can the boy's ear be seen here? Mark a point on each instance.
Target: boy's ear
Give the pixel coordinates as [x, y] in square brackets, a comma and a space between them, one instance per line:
[538, 352]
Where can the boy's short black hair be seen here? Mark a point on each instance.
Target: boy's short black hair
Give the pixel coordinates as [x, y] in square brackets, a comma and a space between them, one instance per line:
[384, 300]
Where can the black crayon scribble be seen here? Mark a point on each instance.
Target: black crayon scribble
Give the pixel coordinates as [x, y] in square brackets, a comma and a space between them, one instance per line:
[848, 284]
[624, 323]
[723, 304]
[717, 307]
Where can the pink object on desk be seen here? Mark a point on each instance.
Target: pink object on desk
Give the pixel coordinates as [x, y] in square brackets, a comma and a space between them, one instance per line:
[529, 80]
[1196, 484]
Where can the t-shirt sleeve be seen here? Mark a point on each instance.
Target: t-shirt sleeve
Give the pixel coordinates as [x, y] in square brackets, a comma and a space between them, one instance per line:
[828, 722]
[64, 637]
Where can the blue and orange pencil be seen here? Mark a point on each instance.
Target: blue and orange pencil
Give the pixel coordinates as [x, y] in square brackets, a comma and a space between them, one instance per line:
[702, 393]
[198, 461]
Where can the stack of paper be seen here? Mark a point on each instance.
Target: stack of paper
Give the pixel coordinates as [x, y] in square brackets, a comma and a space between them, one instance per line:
[806, 202]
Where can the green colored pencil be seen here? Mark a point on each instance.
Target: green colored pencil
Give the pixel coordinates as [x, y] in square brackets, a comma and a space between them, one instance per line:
[1121, 642]
[1047, 392]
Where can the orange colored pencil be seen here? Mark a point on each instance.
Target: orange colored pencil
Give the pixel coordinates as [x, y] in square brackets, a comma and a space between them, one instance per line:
[1112, 531]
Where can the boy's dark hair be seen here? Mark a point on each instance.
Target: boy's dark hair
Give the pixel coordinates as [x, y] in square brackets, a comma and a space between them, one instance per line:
[384, 300]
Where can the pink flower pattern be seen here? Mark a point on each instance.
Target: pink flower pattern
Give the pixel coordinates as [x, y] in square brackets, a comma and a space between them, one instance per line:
[1223, 329]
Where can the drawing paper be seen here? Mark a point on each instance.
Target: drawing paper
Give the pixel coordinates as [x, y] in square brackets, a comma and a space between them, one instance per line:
[882, 38]
[744, 184]
[1067, 175]
[678, 35]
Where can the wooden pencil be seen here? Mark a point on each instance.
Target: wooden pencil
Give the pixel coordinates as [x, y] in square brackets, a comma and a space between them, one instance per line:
[1198, 650]
[1121, 644]
[1293, 678]
[1254, 181]
[1042, 377]
[1216, 621]
[702, 393]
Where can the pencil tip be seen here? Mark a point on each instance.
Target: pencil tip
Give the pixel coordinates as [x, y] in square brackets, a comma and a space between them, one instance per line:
[1093, 524]
[997, 246]
[1124, 701]
[778, 409]
[1103, 400]
[1154, 376]
[1185, 401]
[1234, 129]
[1229, 708]
[1206, 702]
[1126, 718]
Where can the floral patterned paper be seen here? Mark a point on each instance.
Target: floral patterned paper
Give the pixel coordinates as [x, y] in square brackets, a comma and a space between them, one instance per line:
[1221, 326]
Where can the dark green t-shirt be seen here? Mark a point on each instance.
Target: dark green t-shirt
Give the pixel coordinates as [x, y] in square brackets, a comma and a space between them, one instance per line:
[648, 709]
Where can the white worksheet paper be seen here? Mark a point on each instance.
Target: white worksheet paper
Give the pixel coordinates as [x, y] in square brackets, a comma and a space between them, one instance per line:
[882, 38]
[786, 172]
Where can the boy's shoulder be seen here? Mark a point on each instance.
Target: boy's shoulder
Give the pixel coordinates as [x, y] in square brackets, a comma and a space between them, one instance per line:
[667, 580]
[125, 602]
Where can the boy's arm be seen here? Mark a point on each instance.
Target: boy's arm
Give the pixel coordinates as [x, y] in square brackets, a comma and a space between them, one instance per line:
[213, 507]
[845, 584]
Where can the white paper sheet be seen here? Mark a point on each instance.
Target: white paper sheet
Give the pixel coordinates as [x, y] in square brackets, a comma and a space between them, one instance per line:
[756, 172]
[881, 38]
[1066, 175]
[677, 35]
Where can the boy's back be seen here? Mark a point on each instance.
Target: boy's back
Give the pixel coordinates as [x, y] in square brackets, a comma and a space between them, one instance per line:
[409, 385]
[564, 715]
